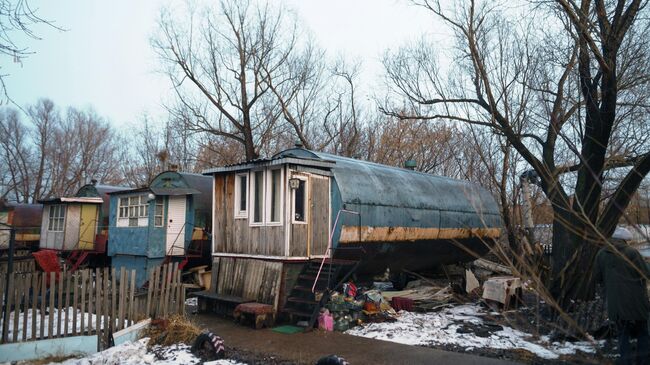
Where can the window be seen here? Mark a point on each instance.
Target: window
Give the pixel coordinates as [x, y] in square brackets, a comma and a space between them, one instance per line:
[299, 202]
[258, 197]
[57, 218]
[274, 205]
[158, 213]
[132, 208]
[124, 208]
[241, 196]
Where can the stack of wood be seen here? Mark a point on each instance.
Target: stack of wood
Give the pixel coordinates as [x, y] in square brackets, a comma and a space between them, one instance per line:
[201, 277]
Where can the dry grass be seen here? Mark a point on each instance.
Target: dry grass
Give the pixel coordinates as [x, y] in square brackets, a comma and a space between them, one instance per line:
[177, 329]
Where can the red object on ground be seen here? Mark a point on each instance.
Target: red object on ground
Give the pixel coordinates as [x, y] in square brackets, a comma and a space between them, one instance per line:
[48, 261]
[254, 308]
[263, 314]
[400, 303]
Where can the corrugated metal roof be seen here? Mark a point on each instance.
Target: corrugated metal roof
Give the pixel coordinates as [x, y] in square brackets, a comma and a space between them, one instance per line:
[184, 183]
[274, 161]
[392, 196]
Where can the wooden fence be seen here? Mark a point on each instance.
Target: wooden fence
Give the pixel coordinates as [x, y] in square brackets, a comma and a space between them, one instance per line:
[86, 302]
[20, 265]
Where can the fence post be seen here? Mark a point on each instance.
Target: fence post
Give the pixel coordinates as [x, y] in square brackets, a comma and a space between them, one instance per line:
[60, 307]
[132, 309]
[123, 285]
[149, 293]
[28, 284]
[9, 284]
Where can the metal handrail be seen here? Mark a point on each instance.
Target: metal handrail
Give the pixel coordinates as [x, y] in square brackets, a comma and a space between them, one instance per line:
[329, 244]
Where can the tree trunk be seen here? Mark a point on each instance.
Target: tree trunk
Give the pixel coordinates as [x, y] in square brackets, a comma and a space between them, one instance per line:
[575, 245]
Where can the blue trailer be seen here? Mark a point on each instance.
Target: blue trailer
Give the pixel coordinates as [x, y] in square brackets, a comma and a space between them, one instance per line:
[168, 220]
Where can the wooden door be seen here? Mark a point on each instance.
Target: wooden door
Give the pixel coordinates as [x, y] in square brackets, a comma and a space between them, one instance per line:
[176, 225]
[319, 201]
[87, 226]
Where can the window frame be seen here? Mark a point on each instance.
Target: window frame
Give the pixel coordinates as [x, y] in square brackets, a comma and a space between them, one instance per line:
[55, 221]
[305, 200]
[241, 214]
[134, 212]
[162, 211]
[252, 185]
[269, 197]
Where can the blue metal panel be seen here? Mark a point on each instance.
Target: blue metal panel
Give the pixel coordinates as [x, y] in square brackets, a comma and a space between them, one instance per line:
[141, 264]
[145, 241]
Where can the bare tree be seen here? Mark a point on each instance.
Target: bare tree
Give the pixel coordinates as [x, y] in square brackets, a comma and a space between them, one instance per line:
[17, 17]
[564, 97]
[54, 155]
[220, 65]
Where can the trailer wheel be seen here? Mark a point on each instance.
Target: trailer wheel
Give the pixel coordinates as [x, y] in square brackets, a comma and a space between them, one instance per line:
[209, 347]
[332, 360]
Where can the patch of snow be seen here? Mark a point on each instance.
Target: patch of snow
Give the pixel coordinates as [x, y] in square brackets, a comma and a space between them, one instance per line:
[133, 353]
[67, 315]
[192, 301]
[442, 328]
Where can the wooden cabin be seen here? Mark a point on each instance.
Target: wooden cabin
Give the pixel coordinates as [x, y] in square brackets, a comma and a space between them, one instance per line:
[273, 216]
[79, 222]
[168, 220]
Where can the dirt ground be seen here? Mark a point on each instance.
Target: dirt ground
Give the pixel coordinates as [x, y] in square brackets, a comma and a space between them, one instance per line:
[268, 347]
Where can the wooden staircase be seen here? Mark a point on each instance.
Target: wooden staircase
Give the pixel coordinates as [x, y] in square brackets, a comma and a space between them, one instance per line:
[301, 303]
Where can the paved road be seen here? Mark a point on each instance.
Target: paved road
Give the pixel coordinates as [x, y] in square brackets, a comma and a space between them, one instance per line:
[307, 348]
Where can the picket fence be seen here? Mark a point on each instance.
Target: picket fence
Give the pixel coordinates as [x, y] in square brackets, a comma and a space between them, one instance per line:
[86, 302]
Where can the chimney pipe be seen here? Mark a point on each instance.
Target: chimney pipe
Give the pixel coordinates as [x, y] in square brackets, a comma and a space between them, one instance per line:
[410, 164]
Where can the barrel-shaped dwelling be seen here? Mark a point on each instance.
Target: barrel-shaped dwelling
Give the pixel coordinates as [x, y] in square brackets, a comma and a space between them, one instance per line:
[25, 219]
[169, 220]
[78, 223]
[272, 216]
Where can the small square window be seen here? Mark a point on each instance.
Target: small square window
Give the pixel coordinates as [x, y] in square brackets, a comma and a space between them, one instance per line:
[299, 202]
[274, 213]
[258, 196]
[241, 195]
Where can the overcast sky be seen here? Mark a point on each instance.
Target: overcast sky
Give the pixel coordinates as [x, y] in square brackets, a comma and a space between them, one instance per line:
[104, 59]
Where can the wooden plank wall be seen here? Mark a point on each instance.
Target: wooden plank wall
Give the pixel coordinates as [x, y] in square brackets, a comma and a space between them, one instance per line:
[86, 302]
[236, 235]
[251, 279]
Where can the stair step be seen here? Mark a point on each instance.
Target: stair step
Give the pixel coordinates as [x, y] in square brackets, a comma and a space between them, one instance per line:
[302, 300]
[311, 278]
[297, 312]
[305, 288]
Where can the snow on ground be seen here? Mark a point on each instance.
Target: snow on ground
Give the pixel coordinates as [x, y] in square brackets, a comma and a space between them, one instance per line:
[133, 353]
[46, 323]
[448, 327]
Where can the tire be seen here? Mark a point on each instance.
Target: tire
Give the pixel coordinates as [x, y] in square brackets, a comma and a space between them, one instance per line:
[332, 360]
[209, 347]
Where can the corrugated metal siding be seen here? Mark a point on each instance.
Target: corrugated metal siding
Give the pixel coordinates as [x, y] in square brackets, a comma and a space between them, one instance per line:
[393, 197]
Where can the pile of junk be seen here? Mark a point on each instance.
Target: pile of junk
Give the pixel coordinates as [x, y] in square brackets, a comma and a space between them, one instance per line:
[356, 304]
